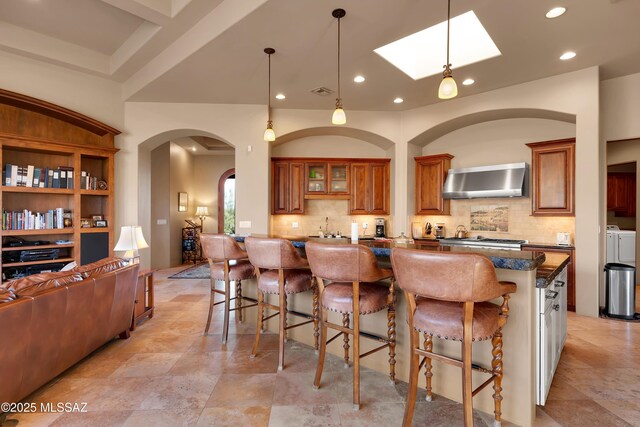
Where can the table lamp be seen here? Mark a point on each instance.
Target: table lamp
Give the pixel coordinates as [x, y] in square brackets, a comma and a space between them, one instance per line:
[202, 212]
[131, 239]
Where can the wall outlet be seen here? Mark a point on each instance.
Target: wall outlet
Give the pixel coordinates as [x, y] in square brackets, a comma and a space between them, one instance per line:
[244, 224]
[161, 222]
[295, 225]
[365, 225]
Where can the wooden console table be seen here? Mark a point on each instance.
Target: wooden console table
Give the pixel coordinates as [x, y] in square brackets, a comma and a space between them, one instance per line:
[144, 298]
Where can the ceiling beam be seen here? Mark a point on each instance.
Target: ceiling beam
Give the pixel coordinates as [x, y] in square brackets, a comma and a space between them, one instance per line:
[155, 11]
[55, 51]
[216, 22]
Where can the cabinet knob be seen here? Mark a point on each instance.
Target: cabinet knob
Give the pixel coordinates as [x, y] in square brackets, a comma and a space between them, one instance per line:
[136, 301]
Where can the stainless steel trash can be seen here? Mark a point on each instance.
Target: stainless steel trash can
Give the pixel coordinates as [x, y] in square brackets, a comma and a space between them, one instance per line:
[620, 290]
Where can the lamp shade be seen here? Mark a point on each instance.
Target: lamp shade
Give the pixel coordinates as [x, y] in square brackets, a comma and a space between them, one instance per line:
[202, 211]
[269, 134]
[131, 239]
[448, 88]
[339, 117]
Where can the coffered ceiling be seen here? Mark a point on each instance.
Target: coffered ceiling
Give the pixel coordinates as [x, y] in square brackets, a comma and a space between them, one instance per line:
[211, 51]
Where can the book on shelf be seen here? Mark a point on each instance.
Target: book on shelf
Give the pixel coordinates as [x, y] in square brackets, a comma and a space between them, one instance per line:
[38, 177]
[28, 220]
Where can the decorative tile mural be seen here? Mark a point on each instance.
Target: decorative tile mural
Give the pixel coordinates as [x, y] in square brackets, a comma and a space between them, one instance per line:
[490, 218]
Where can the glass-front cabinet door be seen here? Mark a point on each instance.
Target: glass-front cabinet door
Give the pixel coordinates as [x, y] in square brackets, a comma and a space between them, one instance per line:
[316, 178]
[338, 178]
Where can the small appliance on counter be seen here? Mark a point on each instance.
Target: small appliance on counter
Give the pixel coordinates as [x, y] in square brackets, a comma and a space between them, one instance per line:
[416, 230]
[461, 232]
[439, 230]
[563, 238]
[380, 227]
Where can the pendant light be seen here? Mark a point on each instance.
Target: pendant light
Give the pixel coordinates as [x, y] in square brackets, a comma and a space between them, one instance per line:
[269, 134]
[339, 117]
[448, 87]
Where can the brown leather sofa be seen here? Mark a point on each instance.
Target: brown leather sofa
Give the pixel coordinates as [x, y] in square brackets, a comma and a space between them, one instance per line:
[50, 321]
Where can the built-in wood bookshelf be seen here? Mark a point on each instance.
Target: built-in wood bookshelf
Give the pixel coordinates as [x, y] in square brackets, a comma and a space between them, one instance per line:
[49, 137]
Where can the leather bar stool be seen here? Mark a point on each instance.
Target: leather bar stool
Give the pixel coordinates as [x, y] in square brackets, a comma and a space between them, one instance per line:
[447, 297]
[227, 262]
[281, 271]
[353, 280]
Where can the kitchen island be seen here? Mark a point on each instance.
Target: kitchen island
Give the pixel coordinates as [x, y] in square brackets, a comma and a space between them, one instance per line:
[520, 334]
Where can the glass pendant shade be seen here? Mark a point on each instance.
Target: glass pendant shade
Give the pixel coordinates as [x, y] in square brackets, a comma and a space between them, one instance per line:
[269, 134]
[339, 117]
[448, 88]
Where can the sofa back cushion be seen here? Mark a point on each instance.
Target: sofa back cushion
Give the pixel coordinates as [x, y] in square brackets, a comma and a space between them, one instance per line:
[105, 265]
[31, 285]
[6, 296]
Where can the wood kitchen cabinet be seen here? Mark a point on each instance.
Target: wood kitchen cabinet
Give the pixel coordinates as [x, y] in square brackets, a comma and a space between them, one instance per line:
[431, 172]
[370, 188]
[287, 187]
[621, 193]
[553, 177]
[364, 182]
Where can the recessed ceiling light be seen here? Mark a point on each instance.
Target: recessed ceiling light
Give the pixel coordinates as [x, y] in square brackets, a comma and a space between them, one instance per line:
[468, 82]
[398, 100]
[193, 148]
[280, 96]
[359, 79]
[555, 12]
[567, 55]
[421, 54]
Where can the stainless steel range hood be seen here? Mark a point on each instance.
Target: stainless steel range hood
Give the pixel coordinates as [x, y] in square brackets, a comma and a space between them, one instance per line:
[507, 180]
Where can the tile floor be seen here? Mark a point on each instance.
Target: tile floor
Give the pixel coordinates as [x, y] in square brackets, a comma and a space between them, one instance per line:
[168, 374]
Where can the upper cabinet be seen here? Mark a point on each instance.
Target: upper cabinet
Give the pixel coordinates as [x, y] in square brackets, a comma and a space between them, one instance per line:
[621, 193]
[431, 172]
[552, 177]
[364, 182]
[370, 188]
[287, 187]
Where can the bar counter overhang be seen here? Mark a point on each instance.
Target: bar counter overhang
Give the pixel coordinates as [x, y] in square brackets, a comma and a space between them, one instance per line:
[519, 334]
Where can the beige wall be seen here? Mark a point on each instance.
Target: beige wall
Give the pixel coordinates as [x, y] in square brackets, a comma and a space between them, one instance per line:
[495, 142]
[620, 107]
[207, 173]
[160, 235]
[327, 146]
[181, 180]
[624, 152]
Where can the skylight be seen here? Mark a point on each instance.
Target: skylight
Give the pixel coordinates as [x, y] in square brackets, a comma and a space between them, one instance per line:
[424, 53]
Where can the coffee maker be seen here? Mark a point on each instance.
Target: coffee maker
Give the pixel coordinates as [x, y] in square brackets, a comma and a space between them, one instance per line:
[380, 228]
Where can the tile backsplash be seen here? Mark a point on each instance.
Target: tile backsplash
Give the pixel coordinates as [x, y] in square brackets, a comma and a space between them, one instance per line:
[521, 224]
[314, 218]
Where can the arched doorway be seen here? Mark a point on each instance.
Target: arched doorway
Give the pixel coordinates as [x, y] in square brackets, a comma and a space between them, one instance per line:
[227, 202]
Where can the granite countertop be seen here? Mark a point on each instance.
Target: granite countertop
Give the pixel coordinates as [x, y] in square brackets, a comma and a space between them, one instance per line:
[550, 268]
[506, 259]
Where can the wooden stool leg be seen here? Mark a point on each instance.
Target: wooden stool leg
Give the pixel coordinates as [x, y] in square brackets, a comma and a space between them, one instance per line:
[496, 365]
[428, 346]
[323, 349]
[414, 371]
[211, 302]
[227, 303]
[391, 335]
[239, 300]
[316, 316]
[282, 320]
[467, 361]
[254, 352]
[356, 361]
[345, 337]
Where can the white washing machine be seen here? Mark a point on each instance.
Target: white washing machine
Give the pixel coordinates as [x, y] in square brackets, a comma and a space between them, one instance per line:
[621, 245]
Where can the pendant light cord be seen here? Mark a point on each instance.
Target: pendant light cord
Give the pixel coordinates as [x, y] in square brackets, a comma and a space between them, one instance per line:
[339, 58]
[448, 25]
[269, 99]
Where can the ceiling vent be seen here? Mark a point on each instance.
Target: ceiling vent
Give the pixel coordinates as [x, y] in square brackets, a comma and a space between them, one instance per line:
[322, 91]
